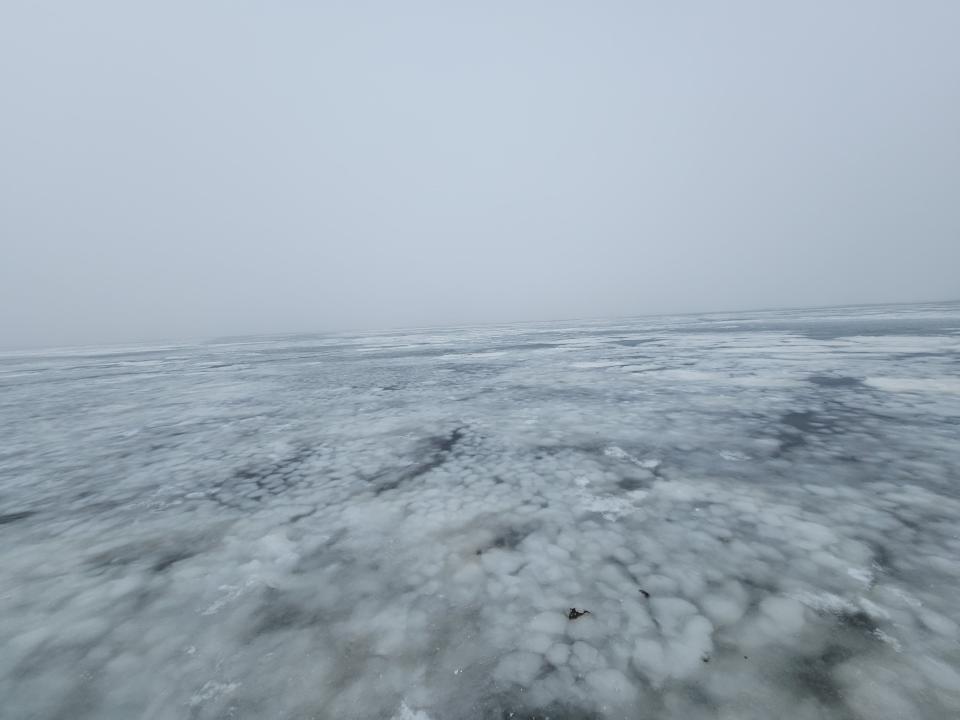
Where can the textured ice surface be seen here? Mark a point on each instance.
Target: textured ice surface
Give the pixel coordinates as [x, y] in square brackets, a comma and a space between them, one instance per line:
[761, 513]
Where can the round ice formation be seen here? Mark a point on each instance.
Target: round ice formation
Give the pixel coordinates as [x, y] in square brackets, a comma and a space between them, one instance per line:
[558, 653]
[611, 687]
[785, 615]
[726, 605]
[519, 667]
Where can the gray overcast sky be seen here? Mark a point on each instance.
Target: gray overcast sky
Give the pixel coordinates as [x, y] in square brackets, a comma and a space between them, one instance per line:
[178, 169]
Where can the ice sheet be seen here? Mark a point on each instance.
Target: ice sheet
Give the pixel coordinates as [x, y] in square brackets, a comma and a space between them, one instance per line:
[760, 513]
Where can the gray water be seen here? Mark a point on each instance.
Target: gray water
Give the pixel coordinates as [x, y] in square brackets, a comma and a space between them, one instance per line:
[760, 511]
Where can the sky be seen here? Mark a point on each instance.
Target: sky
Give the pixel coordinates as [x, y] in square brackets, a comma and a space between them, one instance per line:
[192, 169]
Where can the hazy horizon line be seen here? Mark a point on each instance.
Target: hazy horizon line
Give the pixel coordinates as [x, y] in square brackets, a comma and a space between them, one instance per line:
[236, 338]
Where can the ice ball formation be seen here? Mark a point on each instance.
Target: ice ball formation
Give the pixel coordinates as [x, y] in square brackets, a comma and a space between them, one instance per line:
[739, 516]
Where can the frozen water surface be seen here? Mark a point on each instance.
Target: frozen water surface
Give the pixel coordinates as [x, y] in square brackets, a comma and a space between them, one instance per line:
[760, 512]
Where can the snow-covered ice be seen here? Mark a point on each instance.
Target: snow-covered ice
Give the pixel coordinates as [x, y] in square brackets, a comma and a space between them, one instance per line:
[760, 511]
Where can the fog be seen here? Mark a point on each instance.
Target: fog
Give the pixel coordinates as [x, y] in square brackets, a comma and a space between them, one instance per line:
[182, 169]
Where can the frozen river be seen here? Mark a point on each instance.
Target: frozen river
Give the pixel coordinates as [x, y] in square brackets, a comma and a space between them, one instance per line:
[760, 513]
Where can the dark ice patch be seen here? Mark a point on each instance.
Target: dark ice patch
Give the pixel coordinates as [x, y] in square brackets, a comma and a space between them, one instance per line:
[630, 483]
[527, 346]
[508, 539]
[168, 559]
[438, 449]
[446, 443]
[763, 586]
[857, 620]
[797, 427]
[158, 554]
[588, 448]
[813, 676]
[7, 518]
[408, 353]
[790, 441]
[474, 369]
[277, 614]
[297, 517]
[911, 523]
[835, 381]
[634, 342]
[253, 483]
[511, 538]
[804, 422]
[882, 558]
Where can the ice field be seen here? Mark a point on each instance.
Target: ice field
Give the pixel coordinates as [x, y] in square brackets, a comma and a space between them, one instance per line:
[760, 511]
